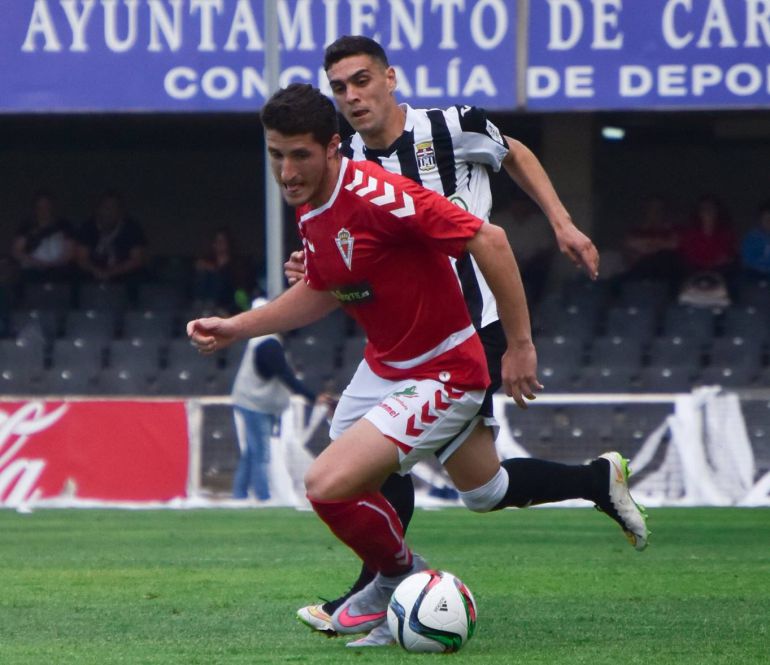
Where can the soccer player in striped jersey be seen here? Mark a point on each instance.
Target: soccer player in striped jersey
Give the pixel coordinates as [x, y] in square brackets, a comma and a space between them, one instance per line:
[377, 244]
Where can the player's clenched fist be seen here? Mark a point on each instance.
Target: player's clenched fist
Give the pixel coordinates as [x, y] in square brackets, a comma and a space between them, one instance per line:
[210, 334]
[294, 268]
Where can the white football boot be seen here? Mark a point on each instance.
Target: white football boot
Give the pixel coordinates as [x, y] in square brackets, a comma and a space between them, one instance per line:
[620, 505]
[316, 618]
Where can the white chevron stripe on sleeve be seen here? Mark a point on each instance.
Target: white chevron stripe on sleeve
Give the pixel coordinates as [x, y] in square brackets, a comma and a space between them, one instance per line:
[358, 178]
[370, 187]
[407, 209]
[388, 197]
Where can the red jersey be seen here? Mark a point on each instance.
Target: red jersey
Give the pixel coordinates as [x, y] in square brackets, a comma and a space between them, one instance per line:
[380, 245]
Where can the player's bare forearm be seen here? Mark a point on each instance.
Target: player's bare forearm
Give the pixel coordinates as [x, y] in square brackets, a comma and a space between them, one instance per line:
[494, 257]
[525, 170]
[296, 307]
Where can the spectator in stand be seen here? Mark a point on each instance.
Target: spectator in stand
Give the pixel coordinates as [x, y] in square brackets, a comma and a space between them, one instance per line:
[755, 246]
[709, 241]
[530, 235]
[708, 246]
[111, 246]
[220, 277]
[650, 249]
[43, 246]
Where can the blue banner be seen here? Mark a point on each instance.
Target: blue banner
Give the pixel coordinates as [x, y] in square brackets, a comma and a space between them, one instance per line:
[644, 54]
[208, 55]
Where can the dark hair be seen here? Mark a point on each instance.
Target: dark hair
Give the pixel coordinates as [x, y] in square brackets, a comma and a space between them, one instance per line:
[348, 46]
[301, 109]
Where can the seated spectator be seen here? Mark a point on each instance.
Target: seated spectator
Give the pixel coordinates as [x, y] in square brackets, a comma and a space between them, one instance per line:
[220, 277]
[532, 241]
[755, 247]
[43, 246]
[709, 241]
[708, 246]
[111, 246]
[650, 247]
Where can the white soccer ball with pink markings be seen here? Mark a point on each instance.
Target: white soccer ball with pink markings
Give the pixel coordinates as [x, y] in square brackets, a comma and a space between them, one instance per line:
[432, 611]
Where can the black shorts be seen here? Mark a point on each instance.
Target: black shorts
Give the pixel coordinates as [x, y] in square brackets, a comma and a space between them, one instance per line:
[493, 339]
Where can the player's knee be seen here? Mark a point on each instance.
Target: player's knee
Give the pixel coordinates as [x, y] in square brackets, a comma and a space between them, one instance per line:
[318, 485]
[487, 497]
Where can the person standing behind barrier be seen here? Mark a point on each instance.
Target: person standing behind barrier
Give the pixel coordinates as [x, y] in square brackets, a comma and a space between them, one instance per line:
[260, 394]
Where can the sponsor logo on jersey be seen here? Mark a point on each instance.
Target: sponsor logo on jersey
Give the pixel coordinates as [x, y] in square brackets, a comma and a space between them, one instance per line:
[353, 294]
[426, 156]
[345, 244]
[411, 391]
[388, 409]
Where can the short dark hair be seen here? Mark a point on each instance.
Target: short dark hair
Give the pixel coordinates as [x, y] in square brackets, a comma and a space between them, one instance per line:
[350, 45]
[301, 109]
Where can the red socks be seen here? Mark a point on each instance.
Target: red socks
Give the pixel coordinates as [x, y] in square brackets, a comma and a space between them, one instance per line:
[369, 526]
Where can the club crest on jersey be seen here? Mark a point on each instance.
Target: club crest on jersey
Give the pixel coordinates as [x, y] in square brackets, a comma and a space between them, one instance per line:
[426, 156]
[345, 244]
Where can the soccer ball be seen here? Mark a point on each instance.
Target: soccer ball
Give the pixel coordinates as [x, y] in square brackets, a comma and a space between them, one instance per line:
[432, 611]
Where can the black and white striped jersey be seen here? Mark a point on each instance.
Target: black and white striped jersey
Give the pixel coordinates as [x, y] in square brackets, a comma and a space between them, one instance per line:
[448, 151]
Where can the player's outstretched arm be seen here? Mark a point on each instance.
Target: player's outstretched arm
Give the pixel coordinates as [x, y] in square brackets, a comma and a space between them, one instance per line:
[526, 171]
[494, 257]
[296, 307]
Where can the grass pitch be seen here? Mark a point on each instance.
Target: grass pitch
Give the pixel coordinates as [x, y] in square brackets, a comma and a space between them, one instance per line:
[553, 586]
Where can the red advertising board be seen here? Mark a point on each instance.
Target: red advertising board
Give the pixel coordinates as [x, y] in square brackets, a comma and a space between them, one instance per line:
[109, 451]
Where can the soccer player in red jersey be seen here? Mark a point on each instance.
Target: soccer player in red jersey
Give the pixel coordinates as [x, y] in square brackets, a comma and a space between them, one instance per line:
[377, 244]
[449, 151]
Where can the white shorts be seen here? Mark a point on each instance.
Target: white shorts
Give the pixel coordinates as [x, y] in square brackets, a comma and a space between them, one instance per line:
[421, 417]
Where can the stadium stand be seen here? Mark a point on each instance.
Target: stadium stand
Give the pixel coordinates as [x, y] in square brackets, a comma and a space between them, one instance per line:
[604, 378]
[103, 295]
[56, 296]
[72, 380]
[79, 355]
[616, 351]
[650, 293]
[639, 321]
[136, 354]
[90, 324]
[43, 324]
[123, 381]
[675, 351]
[629, 336]
[155, 324]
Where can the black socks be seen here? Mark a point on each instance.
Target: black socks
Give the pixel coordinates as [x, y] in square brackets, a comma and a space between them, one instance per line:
[535, 481]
